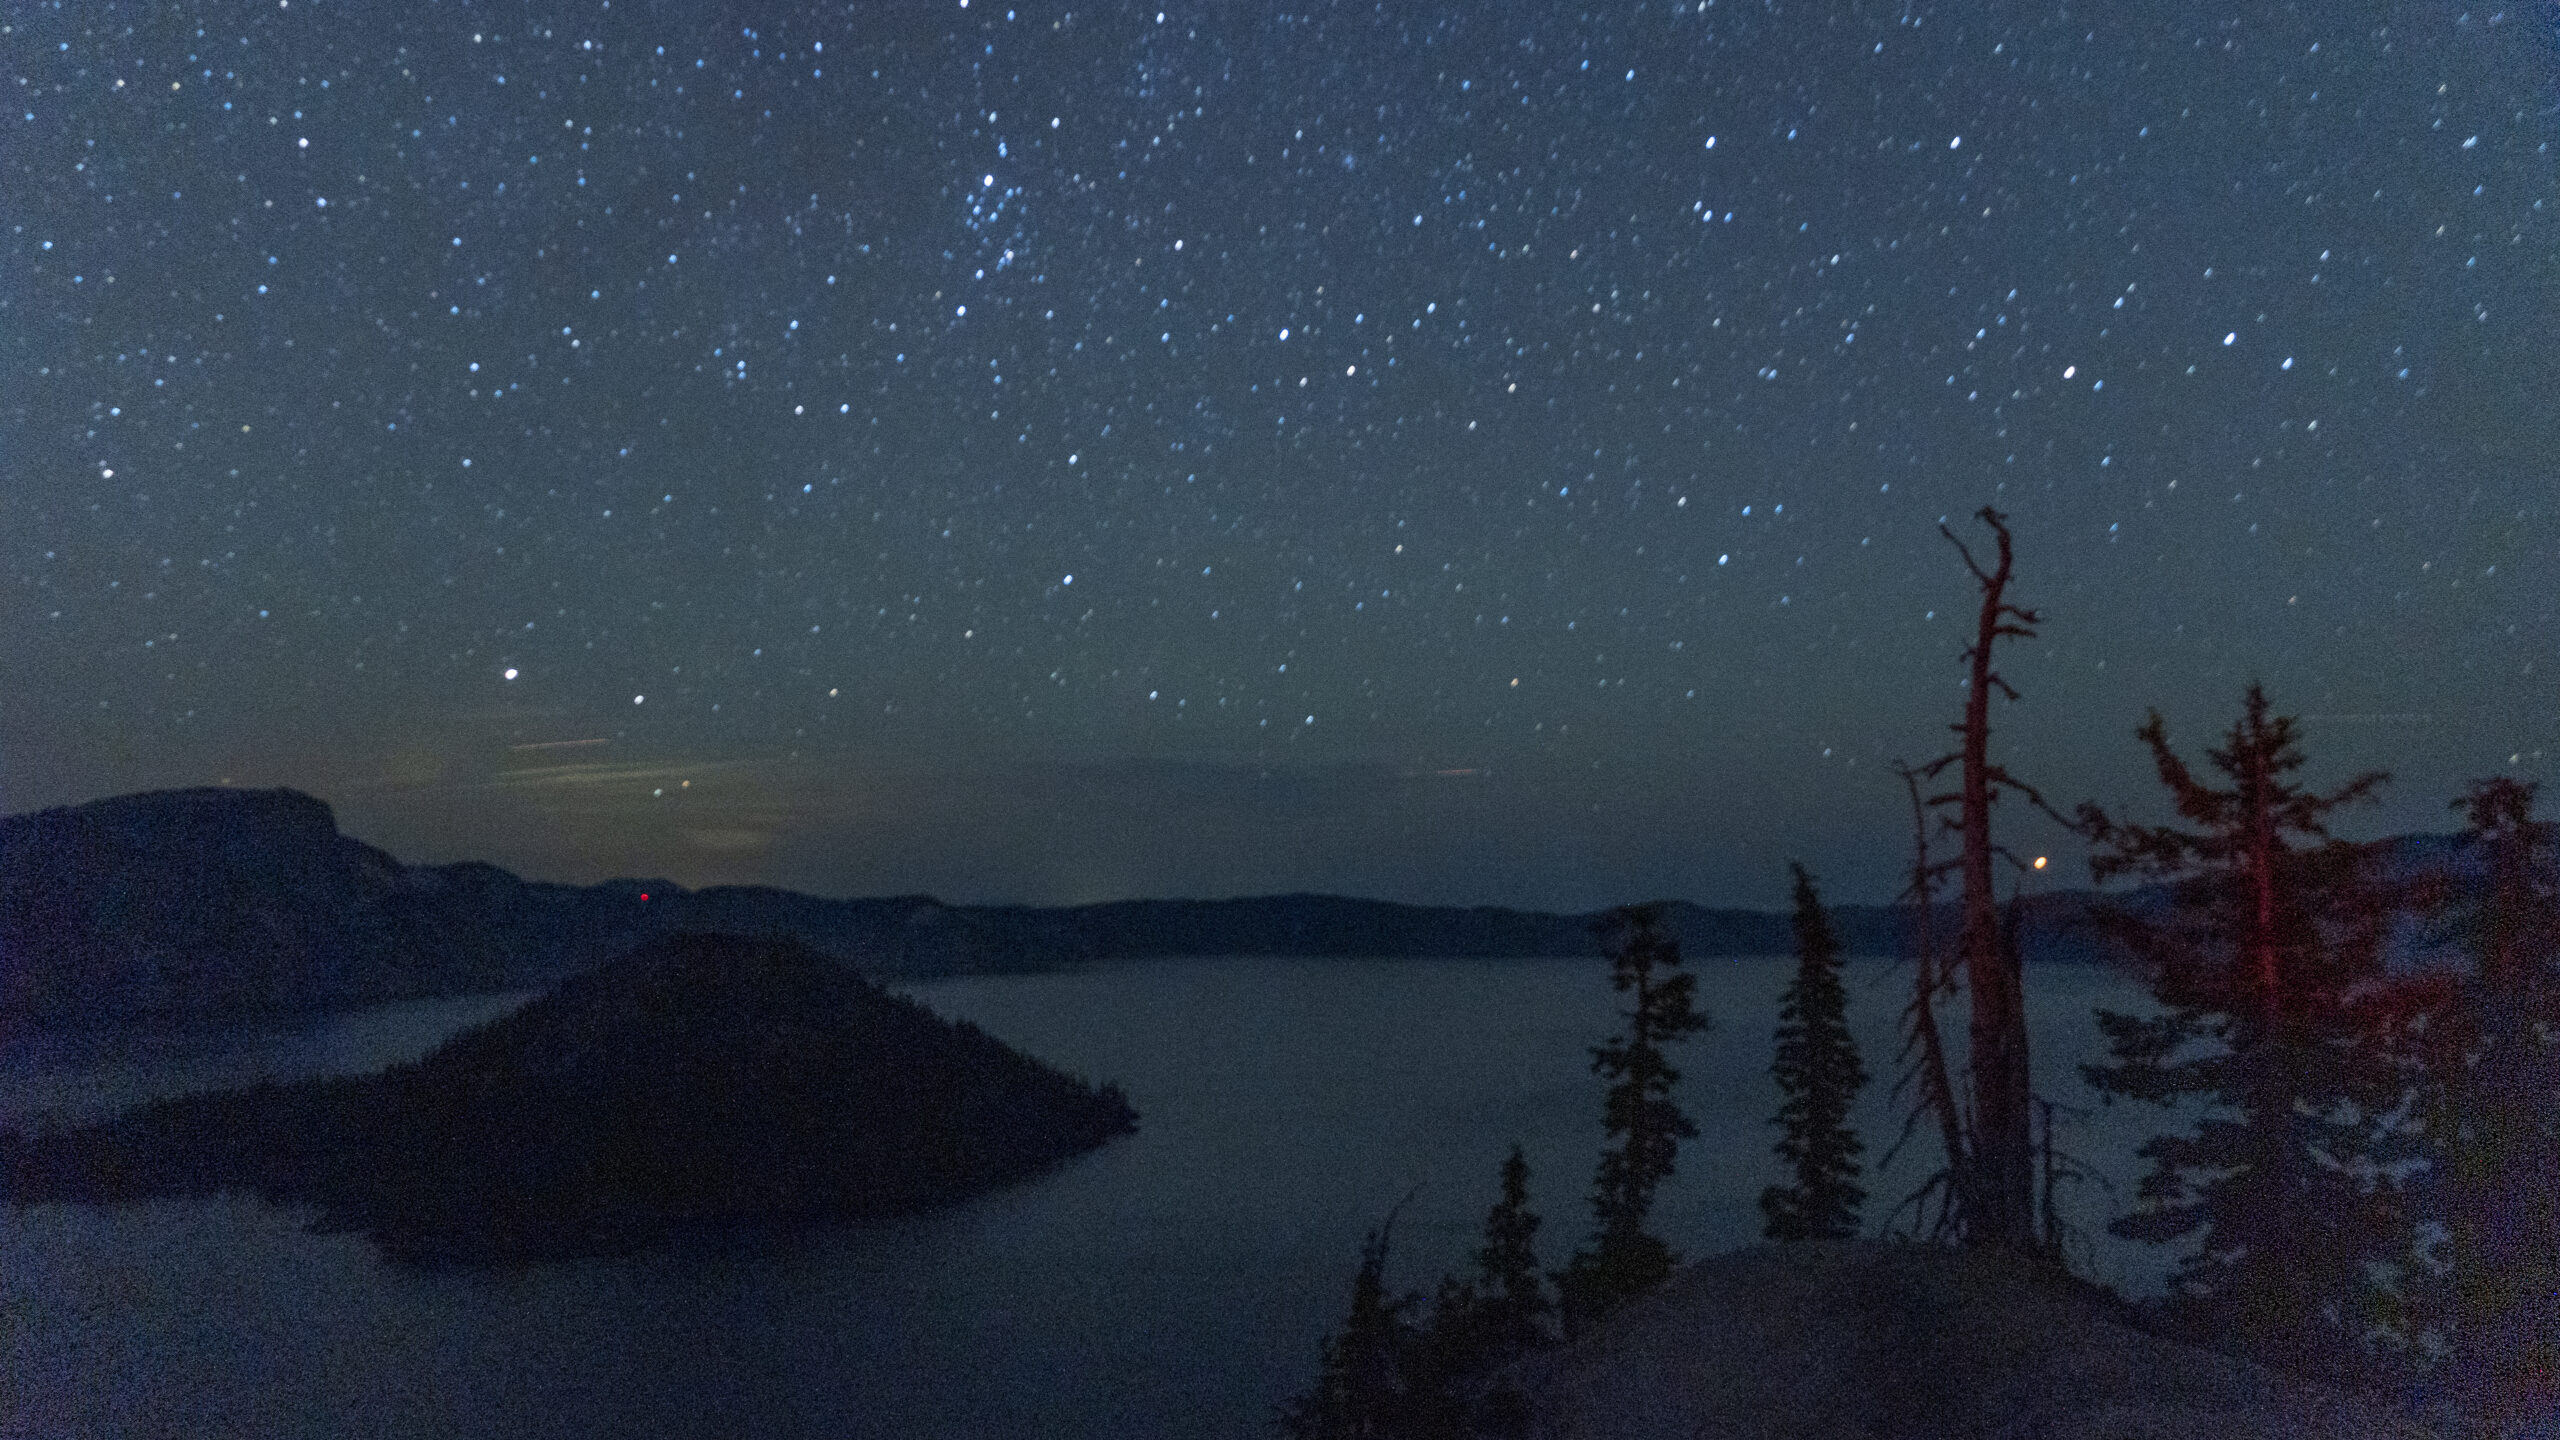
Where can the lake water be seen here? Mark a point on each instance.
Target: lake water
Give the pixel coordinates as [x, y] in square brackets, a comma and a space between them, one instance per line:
[1174, 1283]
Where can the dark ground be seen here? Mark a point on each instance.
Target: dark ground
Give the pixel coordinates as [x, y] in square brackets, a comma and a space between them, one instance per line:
[1875, 1340]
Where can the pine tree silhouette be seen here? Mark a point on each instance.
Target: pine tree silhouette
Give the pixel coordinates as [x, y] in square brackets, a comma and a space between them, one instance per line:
[1622, 1259]
[2487, 1073]
[1820, 1075]
[1384, 1374]
[1480, 1324]
[1361, 1389]
[1513, 1305]
[2256, 965]
[1513, 1309]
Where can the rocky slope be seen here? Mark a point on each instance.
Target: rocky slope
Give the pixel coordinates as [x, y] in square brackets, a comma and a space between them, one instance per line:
[1878, 1341]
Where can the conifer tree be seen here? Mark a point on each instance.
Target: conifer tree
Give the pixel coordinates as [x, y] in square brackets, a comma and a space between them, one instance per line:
[1361, 1389]
[1480, 1324]
[2258, 959]
[1819, 1074]
[2489, 1086]
[1622, 1259]
[1386, 1375]
[1513, 1304]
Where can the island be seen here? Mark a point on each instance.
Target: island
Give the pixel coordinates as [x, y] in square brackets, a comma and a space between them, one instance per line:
[698, 1082]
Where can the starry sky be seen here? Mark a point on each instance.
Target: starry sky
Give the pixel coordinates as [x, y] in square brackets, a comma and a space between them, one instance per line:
[1462, 453]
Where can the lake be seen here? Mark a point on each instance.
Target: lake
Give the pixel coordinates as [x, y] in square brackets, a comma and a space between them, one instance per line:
[1174, 1283]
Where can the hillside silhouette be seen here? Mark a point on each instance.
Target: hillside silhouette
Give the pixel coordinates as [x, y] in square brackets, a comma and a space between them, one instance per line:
[700, 1081]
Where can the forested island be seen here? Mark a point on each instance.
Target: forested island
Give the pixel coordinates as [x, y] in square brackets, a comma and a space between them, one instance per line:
[700, 1081]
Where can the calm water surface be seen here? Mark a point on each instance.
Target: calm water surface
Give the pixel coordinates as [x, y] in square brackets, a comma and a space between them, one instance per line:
[1173, 1283]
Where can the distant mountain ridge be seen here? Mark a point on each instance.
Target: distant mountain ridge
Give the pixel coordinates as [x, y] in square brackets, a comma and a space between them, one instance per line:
[181, 905]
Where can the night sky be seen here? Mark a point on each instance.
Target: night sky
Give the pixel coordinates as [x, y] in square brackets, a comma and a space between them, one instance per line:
[1476, 453]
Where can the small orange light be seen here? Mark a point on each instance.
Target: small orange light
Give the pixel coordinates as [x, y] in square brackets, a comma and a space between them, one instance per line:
[2039, 865]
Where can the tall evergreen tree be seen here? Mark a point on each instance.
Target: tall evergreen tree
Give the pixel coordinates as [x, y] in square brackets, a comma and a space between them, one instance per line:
[1819, 1075]
[1480, 1324]
[2256, 965]
[1361, 1390]
[1622, 1259]
[1387, 1376]
[1512, 1302]
[2488, 1079]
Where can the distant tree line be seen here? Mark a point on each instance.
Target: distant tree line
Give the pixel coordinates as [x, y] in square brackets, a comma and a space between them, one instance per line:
[2371, 1187]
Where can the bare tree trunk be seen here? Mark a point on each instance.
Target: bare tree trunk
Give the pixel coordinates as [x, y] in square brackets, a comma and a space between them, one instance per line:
[1937, 1091]
[2003, 1188]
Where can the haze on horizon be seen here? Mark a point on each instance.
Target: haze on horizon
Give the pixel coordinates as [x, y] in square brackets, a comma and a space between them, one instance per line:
[1452, 454]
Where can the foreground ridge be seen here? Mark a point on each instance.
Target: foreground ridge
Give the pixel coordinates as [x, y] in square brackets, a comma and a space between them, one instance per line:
[1836, 1340]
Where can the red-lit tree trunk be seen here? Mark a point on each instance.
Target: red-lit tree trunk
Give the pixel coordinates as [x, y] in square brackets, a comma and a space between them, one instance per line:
[1937, 1099]
[2258, 799]
[2001, 1192]
[1991, 1173]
